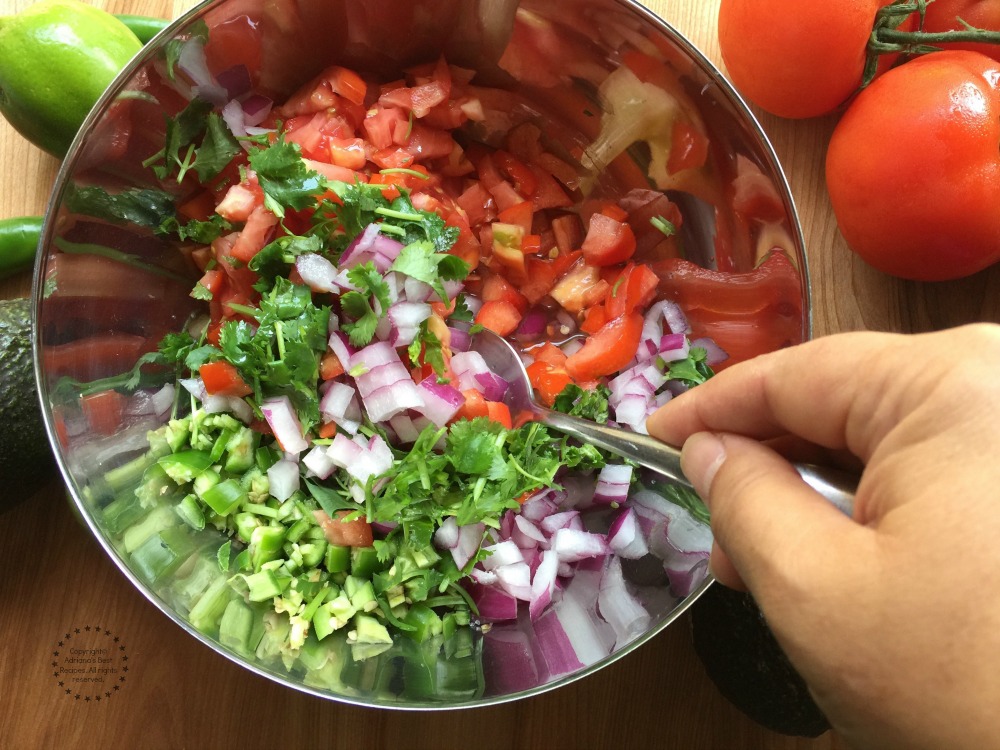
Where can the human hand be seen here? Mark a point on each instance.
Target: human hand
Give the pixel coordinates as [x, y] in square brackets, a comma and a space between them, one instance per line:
[892, 618]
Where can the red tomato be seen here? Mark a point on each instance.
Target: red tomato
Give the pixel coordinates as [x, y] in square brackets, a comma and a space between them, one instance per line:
[797, 59]
[943, 15]
[356, 533]
[608, 350]
[926, 208]
[608, 241]
[104, 411]
[223, 379]
[501, 317]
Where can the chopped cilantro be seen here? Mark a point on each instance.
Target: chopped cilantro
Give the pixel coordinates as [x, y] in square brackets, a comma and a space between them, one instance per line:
[202, 232]
[592, 405]
[284, 177]
[142, 206]
[216, 150]
[358, 305]
[420, 260]
[693, 370]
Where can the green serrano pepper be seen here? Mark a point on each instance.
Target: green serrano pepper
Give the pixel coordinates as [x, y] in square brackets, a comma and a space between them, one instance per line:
[143, 27]
[19, 239]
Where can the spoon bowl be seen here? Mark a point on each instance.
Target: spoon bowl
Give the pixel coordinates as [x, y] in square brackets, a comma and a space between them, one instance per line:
[836, 486]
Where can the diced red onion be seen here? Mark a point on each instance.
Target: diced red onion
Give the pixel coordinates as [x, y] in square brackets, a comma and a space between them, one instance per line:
[235, 80]
[532, 325]
[714, 352]
[405, 318]
[684, 532]
[406, 431]
[460, 340]
[384, 382]
[572, 545]
[193, 63]
[233, 115]
[384, 527]
[415, 290]
[625, 537]
[591, 638]
[572, 346]
[554, 647]
[674, 347]
[501, 554]
[441, 402]
[515, 579]
[618, 607]
[663, 312]
[341, 348]
[446, 536]
[284, 423]
[613, 484]
[494, 604]
[483, 577]
[567, 519]
[470, 537]
[283, 478]
[632, 411]
[686, 572]
[540, 506]
[360, 249]
[336, 403]
[492, 386]
[543, 583]
[256, 108]
[317, 272]
[318, 461]
[466, 365]
[529, 529]
[509, 661]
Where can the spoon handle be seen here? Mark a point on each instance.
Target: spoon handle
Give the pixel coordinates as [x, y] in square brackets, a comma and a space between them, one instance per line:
[836, 486]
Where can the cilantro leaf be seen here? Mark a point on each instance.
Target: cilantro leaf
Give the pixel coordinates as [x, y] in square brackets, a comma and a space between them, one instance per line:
[462, 313]
[592, 405]
[284, 177]
[421, 261]
[202, 232]
[275, 258]
[145, 207]
[693, 370]
[182, 131]
[358, 306]
[216, 150]
[426, 349]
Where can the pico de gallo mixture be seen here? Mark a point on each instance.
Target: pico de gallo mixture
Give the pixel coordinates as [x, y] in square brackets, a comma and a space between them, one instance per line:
[323, 409]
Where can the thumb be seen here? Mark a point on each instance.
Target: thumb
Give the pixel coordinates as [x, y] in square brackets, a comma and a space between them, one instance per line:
[772, 531]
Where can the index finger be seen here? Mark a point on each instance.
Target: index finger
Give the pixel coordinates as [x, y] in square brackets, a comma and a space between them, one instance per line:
[839, 392]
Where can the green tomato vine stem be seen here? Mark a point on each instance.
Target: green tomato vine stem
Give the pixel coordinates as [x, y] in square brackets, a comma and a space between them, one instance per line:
[888, 38]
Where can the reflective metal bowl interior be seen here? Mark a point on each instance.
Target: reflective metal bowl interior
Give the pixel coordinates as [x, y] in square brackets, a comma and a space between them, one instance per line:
[108, 287]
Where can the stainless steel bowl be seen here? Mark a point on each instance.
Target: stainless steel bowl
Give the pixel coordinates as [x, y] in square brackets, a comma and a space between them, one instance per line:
[96, 315]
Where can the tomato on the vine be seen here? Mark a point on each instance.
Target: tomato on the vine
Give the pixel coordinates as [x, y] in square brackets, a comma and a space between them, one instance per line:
[943, 15]
[798, 59]
[913, 168]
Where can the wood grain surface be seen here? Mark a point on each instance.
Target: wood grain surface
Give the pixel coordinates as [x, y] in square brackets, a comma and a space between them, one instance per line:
[179, 694]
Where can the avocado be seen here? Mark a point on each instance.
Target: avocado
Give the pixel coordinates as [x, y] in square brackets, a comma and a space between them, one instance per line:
[743, 659]
[26, 461]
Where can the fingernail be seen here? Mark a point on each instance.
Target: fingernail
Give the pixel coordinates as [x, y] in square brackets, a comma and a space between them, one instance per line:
[701, 457]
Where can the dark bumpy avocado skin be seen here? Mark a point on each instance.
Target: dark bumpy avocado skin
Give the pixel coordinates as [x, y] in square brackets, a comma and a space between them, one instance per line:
[26, 461]
[748, 667]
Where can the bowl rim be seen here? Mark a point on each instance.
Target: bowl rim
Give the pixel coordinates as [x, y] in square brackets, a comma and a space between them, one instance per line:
[67, 168]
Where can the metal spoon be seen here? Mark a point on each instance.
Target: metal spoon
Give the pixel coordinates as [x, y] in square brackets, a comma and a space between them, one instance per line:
[836, 486]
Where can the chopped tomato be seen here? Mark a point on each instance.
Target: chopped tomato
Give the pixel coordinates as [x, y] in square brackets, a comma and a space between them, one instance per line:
[474, 406]
[239, 202]
[330, 366]
[550, 353]
[236, 41]
[497, 289]
[594, 319]
[213, 281]
[104, 411]
[501, 317]
[223, 379]
[201, 207]
[95, 356]
[356, 533]
[548, 193]
[499, 412]
[478, 204]
[548, 380]
[380, 124]
[525, 182]
[634, 289]
[688, 147]
[520, 214]
[608, 241]
[255, 234]
[507, 239]
[608, 350]
[573, 287]
[568, 232]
